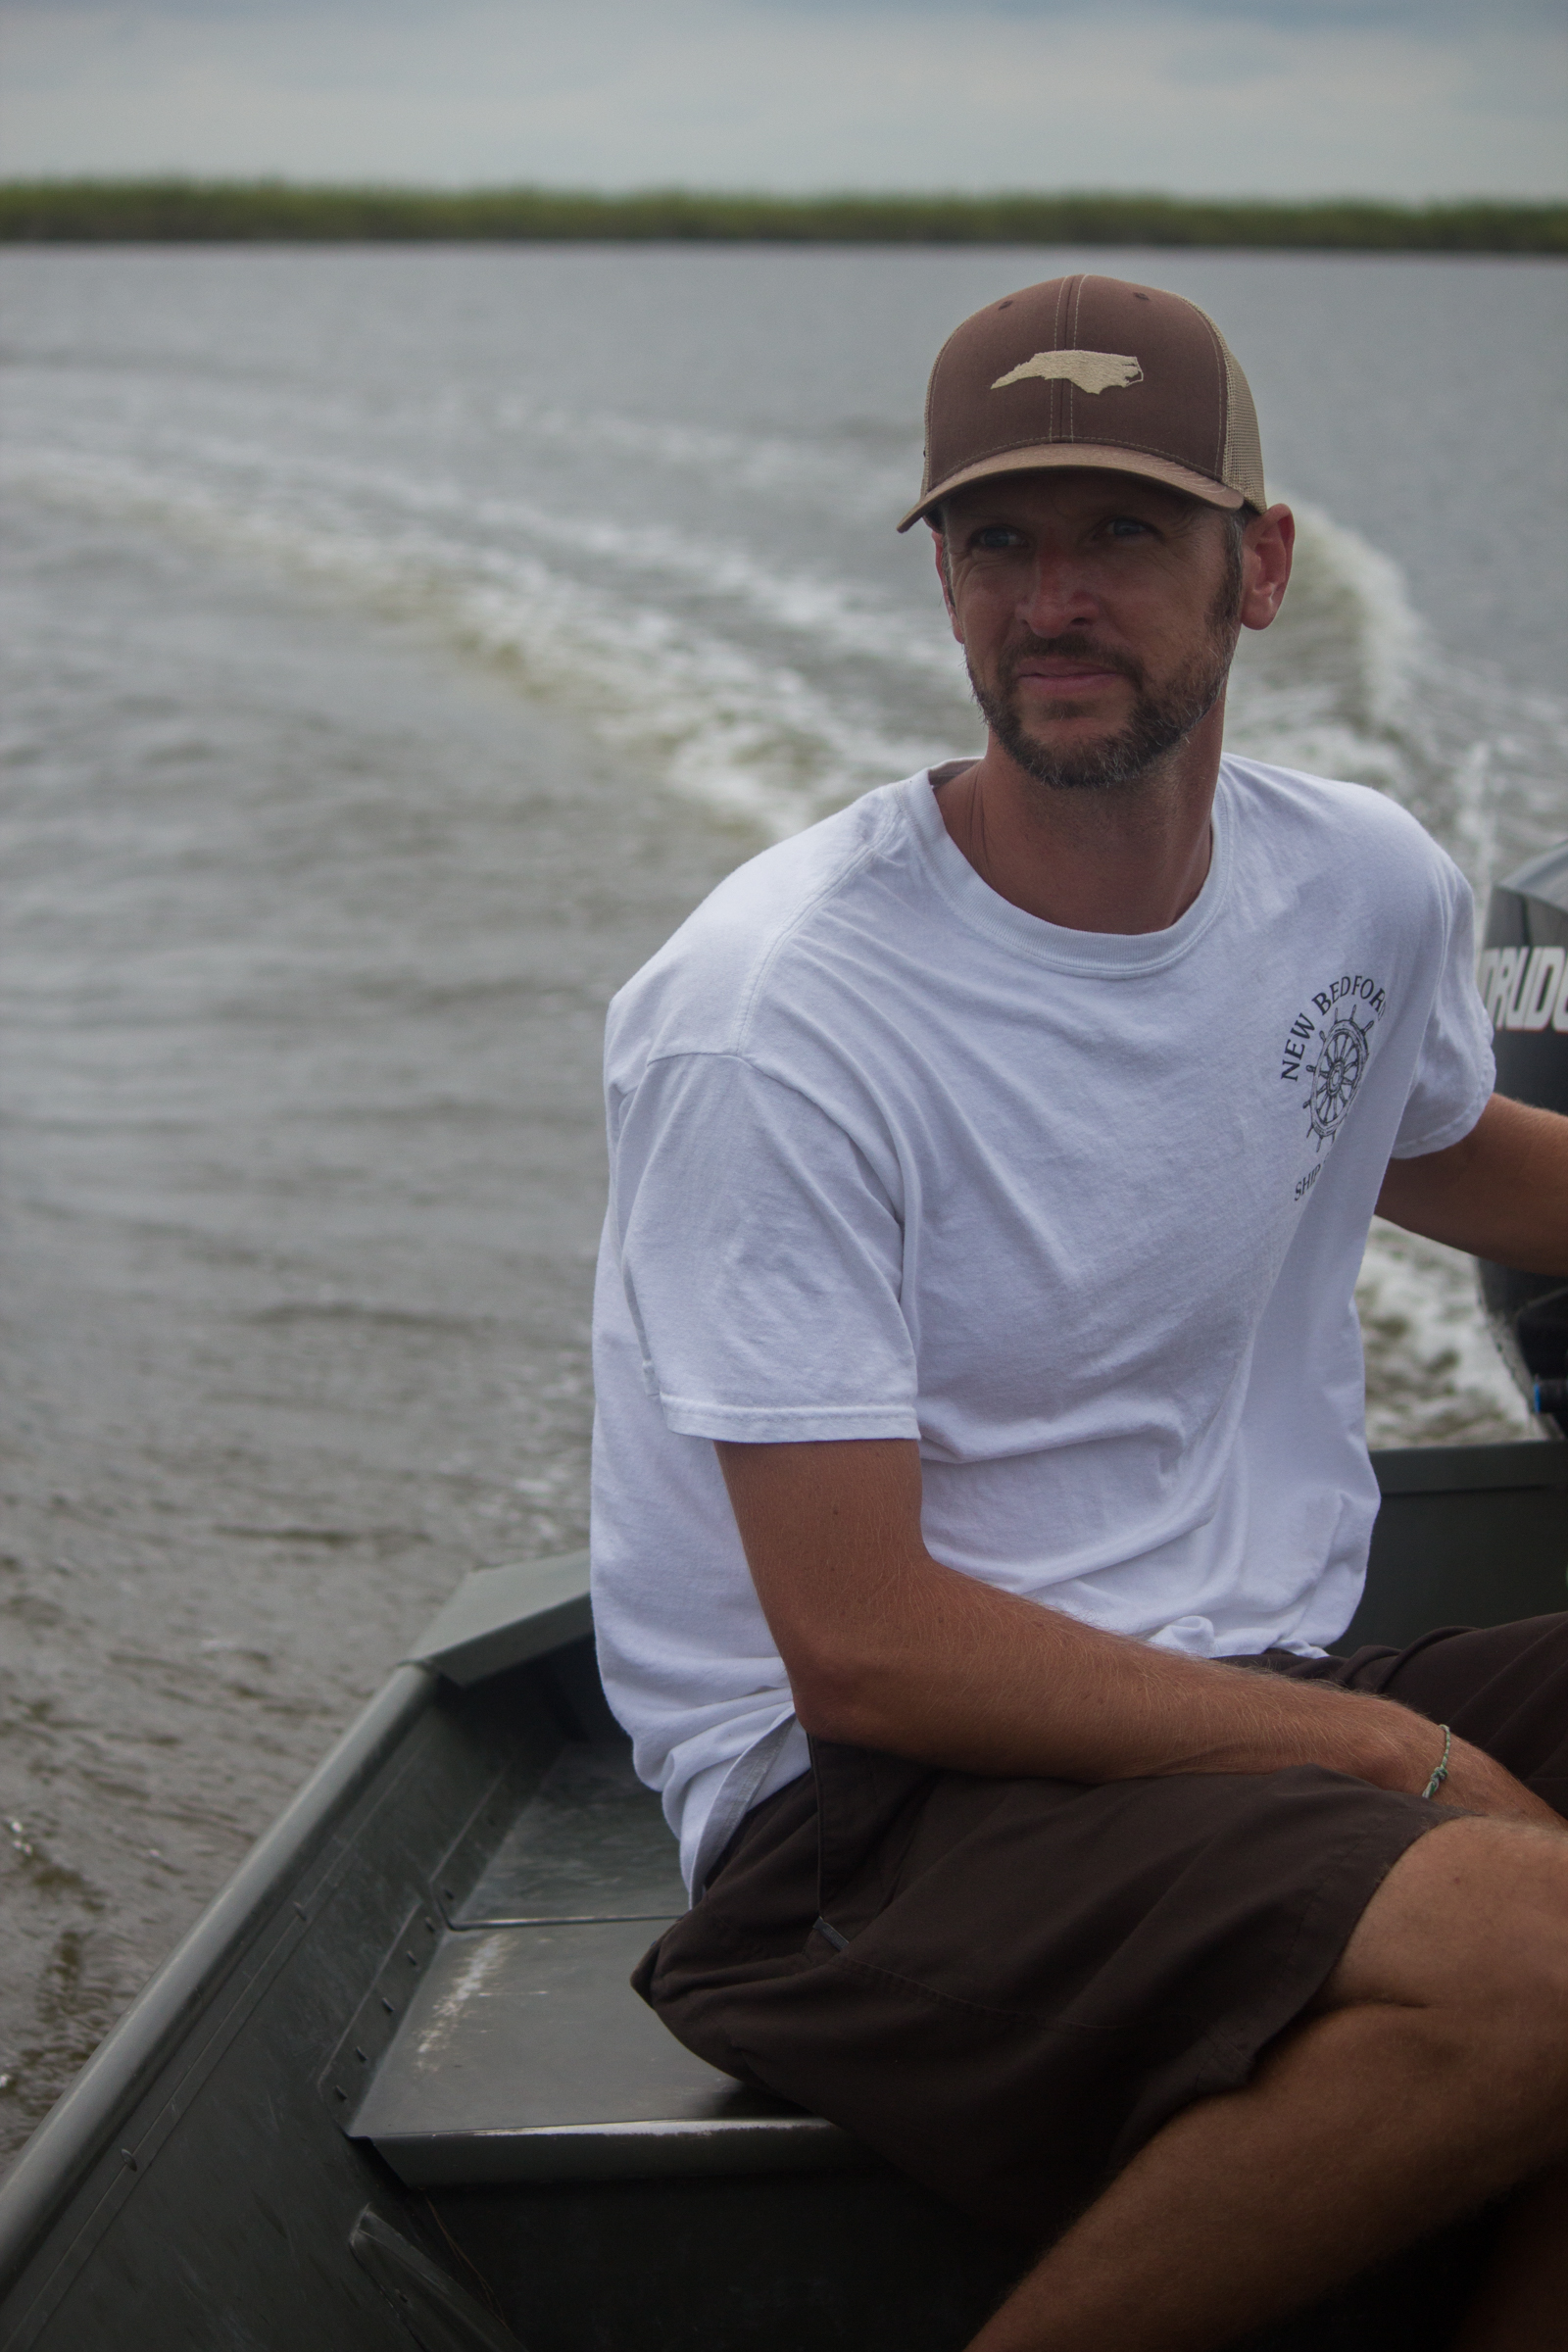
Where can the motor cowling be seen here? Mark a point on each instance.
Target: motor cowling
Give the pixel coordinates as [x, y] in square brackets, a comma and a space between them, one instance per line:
[1523, 976]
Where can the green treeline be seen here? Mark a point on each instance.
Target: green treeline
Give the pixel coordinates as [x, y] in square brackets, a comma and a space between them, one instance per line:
[190, 212]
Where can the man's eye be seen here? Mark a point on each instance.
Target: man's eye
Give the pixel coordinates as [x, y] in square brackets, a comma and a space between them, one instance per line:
[1127, 526]
[997, 535]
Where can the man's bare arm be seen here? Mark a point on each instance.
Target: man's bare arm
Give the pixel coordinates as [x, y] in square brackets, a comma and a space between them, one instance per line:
[1501, 1191]
[887, 1649]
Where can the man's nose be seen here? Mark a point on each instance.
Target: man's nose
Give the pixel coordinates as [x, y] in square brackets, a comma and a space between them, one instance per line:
[1057, 597]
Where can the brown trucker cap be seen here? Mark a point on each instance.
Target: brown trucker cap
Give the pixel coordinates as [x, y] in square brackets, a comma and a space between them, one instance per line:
[1092, 372]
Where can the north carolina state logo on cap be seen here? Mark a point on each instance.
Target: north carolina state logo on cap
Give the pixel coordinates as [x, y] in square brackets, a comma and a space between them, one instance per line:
[1090, 370]
[1123, 379]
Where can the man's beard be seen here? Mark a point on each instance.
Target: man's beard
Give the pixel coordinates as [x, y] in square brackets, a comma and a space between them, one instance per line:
[1157, 724]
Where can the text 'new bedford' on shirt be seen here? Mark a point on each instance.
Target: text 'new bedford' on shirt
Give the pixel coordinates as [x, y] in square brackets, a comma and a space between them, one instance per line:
[1081, 1212]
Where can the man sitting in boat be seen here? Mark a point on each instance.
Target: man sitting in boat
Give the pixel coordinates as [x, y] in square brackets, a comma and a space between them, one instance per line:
[981, 1484]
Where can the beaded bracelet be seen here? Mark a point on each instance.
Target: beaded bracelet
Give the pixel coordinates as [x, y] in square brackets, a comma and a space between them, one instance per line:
[1441, 1773]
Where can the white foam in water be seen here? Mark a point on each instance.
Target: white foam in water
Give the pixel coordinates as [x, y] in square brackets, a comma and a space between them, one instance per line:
[743, 730]
[776, 693]
[1434, 1374]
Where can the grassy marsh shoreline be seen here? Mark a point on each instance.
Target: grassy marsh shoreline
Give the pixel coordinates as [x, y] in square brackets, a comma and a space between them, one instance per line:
[176, 210]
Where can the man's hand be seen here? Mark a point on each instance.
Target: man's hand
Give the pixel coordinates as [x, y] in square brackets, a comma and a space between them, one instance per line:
[1501, 1191]
[887, 1649]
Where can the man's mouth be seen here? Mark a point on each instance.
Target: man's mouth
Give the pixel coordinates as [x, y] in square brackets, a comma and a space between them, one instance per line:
[1063, 670]
[1075, 678]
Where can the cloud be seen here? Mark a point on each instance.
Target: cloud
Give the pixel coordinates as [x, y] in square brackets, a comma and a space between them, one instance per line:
[1397, 97]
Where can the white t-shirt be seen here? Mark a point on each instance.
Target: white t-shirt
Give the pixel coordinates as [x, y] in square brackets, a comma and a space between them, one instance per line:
[1082, 1212]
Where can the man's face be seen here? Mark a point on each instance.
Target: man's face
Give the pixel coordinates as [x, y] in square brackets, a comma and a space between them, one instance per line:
[1098, 614]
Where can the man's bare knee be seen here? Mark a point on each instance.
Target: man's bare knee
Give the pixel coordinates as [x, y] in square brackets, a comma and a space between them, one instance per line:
[1472, 1920]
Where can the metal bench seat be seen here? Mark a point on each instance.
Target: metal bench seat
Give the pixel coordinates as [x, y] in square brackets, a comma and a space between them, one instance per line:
[524, 2055]
[504, 2043]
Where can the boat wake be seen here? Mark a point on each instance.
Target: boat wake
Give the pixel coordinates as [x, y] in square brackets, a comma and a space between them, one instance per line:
[776, 692]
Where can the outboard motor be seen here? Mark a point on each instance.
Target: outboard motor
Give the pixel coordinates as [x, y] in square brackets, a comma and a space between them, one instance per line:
[1523, 976]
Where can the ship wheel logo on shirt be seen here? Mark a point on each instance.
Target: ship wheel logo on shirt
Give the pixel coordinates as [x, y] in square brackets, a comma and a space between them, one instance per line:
[1340, 1026]
[1338, 1071]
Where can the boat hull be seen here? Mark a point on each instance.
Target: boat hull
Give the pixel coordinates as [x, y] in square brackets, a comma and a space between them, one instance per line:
[224, 2173]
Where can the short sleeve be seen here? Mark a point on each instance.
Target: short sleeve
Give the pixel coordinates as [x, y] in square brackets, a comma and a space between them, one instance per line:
[761, 1259]
[1455, 1071]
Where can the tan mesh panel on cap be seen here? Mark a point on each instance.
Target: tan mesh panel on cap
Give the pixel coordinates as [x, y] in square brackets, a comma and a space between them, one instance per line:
[1243, 467]
[1094, 371]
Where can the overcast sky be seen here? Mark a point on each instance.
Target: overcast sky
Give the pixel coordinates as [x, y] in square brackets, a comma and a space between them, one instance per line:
[1290, 97]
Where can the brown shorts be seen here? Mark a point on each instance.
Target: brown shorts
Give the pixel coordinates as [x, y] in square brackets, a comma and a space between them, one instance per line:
[1007, 1986]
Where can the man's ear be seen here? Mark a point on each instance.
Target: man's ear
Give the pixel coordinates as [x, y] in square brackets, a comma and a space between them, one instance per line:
[1266, 553]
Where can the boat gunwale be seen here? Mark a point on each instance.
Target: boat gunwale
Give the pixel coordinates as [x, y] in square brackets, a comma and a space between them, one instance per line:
[63, 2151]
[1521, 1463]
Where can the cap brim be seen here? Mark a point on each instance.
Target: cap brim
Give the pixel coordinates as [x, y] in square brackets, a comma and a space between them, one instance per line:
[1095, 456]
